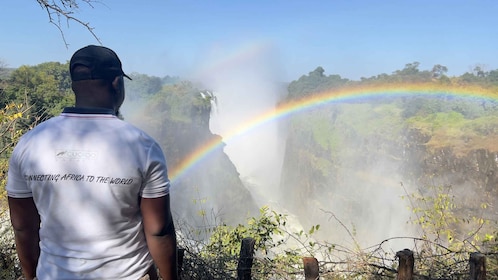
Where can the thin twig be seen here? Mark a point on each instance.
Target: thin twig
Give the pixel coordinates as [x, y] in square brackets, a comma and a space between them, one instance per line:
[65, 9]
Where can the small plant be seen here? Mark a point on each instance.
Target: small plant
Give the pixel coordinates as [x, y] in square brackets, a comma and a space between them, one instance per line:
[447, 238]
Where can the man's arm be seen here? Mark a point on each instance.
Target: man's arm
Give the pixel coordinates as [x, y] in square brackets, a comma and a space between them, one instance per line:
[26, 223]
[160, 233]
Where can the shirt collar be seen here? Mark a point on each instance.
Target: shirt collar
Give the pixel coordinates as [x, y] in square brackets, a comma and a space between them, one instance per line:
[88, 110]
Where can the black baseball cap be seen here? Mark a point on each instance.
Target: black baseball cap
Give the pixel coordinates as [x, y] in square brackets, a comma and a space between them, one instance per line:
[103, 62]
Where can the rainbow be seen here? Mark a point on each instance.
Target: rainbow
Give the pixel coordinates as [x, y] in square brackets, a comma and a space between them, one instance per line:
[342, 95]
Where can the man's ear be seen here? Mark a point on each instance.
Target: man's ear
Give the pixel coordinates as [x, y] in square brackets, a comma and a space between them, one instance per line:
[118, 84]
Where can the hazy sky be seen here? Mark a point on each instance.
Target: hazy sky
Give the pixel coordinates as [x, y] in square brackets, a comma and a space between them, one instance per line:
[351, 38]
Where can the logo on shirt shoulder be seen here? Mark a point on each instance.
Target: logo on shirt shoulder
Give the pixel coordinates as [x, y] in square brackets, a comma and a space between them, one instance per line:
[75, 155]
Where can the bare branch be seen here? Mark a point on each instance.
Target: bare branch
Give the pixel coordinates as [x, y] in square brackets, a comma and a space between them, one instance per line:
[58, 10]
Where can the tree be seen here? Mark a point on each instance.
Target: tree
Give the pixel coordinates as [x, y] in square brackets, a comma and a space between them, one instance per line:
[46, 87]
[492, 77]
[3, 70]
[142, 86]
[469, 78]
[316, 81]
[410, 69]
[411, 73]
[438, 71]
[479, 71]
[318, 72]
[3, 76]
[64, 10]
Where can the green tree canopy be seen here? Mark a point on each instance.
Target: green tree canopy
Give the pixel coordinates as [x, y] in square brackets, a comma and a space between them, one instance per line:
[45, 87]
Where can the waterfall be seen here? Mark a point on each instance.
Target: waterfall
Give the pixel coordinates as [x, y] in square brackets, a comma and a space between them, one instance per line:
[256, 152]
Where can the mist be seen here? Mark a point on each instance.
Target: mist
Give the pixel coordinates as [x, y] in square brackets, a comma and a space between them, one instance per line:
[247, 84]
[363, 206]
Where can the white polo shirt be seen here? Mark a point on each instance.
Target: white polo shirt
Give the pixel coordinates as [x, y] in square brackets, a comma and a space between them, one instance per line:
[86, 171]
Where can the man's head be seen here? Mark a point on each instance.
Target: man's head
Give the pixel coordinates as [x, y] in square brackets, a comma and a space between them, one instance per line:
[102, 62]
[97, 76]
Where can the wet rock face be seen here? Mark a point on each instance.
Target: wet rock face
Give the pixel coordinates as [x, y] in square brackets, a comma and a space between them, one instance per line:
[453, 165]
[415, 159]
[477, 169]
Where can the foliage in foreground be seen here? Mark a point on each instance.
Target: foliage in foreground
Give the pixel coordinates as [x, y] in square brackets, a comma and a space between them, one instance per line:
[441, 252]
[10, 114]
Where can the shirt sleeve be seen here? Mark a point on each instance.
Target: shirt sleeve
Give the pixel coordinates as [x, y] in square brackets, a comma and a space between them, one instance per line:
[17, 186]
[156, 181]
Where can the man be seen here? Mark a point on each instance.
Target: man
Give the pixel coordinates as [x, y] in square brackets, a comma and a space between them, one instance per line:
[89, 193]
